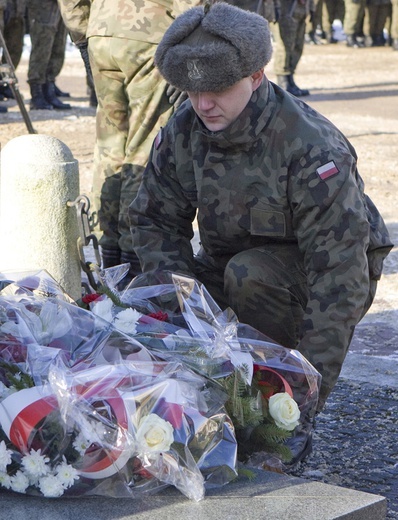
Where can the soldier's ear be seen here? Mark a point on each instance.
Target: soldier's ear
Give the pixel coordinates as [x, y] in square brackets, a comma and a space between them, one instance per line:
[257, 78]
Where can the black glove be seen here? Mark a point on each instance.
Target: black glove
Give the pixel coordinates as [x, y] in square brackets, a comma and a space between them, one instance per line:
[176, 96]
[83, 48]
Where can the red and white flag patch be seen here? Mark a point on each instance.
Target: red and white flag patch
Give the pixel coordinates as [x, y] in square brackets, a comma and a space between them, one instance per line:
[327, 170]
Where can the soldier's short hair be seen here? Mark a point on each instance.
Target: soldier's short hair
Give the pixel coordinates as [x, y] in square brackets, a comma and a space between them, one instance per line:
[209, 49]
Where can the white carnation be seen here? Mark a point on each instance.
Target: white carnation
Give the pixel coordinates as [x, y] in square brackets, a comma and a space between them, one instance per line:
[66, 474]
[51, 487]
[5, 480]
[5, 456]
[35, 464]
[19, 482]
[126, 321]
[103, 309]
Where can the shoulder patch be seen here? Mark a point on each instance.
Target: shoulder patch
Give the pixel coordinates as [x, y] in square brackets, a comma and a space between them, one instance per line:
[159, 138]
[327, 170]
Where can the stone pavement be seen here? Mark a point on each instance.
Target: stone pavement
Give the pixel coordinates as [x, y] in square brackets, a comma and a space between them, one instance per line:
[356, 437]
[270, 496]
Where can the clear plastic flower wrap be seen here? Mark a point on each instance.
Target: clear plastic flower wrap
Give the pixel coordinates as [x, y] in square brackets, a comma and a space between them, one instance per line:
[273, 391]
[86, 409]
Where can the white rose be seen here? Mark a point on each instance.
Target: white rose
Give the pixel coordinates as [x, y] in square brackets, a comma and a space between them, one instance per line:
[284, 410]
[154, 434]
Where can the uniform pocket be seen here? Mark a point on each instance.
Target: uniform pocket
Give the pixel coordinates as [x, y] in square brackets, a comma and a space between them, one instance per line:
[267, 222]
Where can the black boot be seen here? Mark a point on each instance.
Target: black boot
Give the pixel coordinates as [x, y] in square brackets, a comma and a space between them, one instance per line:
[294, 89]
[6, 92]
[38, 101]
[60, 93]
[131, 258]
[353, 42]
[288, 84]
[110, 257]
[50, 97]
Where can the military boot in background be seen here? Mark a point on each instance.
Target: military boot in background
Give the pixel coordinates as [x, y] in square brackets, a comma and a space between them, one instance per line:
[50, 97]
[110, 257]
[294, 89]
[60, 93]
[135, 267]
[287, 83]
[353, 42]
[6, 92]
[38, 101]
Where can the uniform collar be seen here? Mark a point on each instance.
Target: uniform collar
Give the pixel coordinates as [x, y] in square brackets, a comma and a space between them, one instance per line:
[251, 122]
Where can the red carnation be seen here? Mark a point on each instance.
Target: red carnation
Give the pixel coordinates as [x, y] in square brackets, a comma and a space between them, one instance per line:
[160, 315]
[88, 298]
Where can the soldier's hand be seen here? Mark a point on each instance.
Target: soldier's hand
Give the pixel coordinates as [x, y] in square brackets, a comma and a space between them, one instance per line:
[176, 96]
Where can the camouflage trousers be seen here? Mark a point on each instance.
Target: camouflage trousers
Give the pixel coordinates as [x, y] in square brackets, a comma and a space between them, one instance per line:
[354, 12]
[48, 36]
[267, 288]
[394, 19]
[289, 36]
[333, 10]
[132, 106]
[375, 19]
[14, 29]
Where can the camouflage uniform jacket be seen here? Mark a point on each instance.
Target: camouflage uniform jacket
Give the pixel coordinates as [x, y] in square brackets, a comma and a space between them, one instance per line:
[280, 173]
[129, 19]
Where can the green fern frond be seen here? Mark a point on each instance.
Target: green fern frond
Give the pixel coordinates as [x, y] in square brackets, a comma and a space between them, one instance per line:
[103, 289]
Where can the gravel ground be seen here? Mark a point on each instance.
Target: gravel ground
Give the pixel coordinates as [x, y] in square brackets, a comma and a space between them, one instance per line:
[356, 442]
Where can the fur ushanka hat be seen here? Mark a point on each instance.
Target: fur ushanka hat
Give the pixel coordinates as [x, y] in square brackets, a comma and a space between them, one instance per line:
[210, 49]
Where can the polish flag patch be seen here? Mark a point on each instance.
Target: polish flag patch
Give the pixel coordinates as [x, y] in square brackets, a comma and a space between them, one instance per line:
[327, 170]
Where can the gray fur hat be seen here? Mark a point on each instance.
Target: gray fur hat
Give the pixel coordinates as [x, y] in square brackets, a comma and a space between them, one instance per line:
[208, 50]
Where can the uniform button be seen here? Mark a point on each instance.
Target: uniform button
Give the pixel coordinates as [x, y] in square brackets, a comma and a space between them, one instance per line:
[205, 200]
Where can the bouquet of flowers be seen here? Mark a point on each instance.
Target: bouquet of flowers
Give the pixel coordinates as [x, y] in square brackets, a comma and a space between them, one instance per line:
[86, 409]
[272, 391]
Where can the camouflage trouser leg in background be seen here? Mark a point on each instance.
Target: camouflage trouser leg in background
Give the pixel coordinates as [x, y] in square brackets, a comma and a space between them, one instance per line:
[132, 105]
[289, 35]
[267, 288]
[44, 17]
[354, 11]
[57, 58]
[375, 19]
[394, 20]
[332, 10]
[14, 29]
